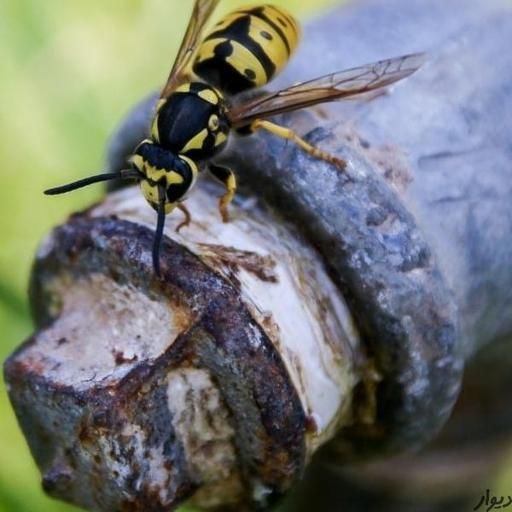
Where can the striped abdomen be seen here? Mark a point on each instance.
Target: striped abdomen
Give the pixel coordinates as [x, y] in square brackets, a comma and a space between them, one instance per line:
[247, 48]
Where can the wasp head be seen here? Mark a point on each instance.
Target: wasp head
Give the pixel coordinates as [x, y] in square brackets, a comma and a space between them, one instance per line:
[163, 172]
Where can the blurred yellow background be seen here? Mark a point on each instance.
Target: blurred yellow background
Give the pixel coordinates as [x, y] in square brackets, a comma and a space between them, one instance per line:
[69, 71]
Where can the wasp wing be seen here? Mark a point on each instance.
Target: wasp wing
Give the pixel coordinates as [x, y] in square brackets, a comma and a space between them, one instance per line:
[336, 86]
[203, 9]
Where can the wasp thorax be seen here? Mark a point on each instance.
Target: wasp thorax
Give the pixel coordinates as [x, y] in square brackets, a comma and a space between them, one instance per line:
[163, 170]
[192, 121]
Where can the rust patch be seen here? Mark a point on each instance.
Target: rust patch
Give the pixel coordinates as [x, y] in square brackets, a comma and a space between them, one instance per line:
[390, 159]
[322, 306]
[270, 326]
[86, 433]
[311, 424]
[263, 267]
[30, 366]
[120, 357]
[393, 163]
[148, 499]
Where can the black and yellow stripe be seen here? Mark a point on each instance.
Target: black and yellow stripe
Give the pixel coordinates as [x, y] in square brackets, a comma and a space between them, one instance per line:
[247, 48]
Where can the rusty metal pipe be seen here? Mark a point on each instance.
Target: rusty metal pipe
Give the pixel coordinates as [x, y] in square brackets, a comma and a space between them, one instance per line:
[343, 312]
[220, 381]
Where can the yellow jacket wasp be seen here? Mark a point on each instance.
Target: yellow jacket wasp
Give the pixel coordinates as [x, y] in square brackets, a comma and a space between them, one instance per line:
[244, 50]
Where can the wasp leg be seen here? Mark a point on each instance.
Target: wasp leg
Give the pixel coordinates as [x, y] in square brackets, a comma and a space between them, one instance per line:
[187, 219]
[228, 179]
[287, 133]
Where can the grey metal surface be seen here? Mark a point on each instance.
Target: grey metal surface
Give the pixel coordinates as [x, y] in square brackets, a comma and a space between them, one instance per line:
[452, 123]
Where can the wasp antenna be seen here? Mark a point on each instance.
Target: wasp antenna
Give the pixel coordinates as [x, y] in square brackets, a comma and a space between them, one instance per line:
[159, 231]
[124, 174]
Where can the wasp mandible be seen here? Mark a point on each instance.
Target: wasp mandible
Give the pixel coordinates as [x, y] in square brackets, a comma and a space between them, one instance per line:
[194, 119]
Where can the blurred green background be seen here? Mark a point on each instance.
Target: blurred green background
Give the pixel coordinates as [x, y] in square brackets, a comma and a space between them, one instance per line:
[69, 71]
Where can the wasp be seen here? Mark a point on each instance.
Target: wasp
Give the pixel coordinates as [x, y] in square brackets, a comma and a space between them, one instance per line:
[194, 116]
